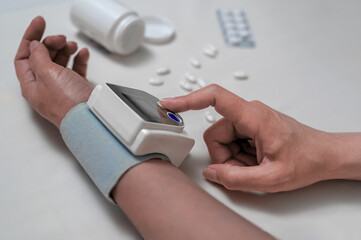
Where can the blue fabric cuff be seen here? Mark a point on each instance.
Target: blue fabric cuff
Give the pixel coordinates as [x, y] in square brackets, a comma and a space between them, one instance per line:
[99, 152]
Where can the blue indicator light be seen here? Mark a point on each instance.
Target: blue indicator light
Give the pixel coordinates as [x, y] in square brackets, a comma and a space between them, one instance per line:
[174, 117]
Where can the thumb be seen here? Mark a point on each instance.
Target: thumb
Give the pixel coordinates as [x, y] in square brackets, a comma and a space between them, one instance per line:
[235, 177]
[39, 59]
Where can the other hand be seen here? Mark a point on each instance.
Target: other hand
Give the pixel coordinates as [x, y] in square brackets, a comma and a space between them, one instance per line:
[254, 147]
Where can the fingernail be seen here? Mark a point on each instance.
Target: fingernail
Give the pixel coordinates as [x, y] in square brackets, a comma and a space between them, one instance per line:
[33, 45]
[210, 174]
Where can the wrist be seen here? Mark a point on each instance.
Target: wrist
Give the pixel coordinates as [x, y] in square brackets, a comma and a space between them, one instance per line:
[152, 172]
[347, 162]
[81, 96]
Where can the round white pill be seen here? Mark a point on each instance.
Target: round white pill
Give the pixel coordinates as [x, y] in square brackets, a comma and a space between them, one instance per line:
[155, 81]
[210, 117]
[190, 77]
[240, 75]
[162, 70]
[185, 86]
[201, 82]
[195, 63]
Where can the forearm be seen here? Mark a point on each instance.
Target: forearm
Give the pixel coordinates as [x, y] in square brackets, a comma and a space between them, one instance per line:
[164, 204]
[348, 156]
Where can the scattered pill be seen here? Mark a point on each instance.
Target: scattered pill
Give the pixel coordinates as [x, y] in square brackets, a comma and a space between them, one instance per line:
[211, 47]
[195, 63]
[162, 70]
[155, 81]
[209, 53]
[210, 117]
[201, 82]
[210, 50]
[240, 75]
[190, 77]
[185, 85]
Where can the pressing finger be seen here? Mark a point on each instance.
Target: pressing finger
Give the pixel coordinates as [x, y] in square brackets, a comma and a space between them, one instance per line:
[227, 104]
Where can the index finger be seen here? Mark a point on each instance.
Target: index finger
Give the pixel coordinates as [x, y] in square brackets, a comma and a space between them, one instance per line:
[224, 102]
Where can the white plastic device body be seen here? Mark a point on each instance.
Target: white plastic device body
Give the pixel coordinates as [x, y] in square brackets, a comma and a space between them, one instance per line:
[141, 137]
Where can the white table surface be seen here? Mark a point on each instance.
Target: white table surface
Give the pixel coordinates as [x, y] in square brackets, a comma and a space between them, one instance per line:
[306, 64]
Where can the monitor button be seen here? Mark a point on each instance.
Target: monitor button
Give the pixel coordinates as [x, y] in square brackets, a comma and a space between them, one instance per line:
[174, 117]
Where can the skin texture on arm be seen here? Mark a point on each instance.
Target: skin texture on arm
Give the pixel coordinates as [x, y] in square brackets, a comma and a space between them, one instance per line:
[158, 198]
[254, 147]
[163, 203]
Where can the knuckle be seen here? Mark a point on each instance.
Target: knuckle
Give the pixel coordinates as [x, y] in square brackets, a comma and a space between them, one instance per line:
[229, 181]
[257, 103]
[263, 109]
[214, 88]
[260, 108]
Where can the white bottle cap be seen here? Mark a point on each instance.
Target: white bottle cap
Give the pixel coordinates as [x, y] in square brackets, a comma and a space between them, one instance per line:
[158, 29]
[128, 35]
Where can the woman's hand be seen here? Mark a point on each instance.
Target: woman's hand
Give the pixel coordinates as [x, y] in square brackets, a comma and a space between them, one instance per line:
[47, 84]
[254, 147]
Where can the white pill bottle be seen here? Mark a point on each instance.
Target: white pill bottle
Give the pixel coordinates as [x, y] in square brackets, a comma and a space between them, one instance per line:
[110, 23]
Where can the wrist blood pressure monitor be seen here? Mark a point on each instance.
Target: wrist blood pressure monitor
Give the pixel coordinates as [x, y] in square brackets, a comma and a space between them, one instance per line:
[140, 123]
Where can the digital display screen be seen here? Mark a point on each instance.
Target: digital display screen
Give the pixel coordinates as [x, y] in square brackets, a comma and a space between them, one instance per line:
[145, 105]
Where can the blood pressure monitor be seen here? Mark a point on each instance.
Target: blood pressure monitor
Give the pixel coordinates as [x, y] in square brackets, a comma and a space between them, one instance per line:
[139, 122]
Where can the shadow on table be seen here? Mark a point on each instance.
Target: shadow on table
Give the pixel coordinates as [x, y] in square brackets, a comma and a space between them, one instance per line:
[319, 195]
[316, 196]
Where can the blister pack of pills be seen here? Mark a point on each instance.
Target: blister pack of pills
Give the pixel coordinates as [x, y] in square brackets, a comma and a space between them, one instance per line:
[235, 28]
